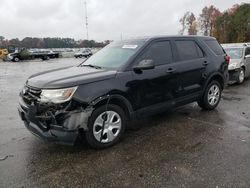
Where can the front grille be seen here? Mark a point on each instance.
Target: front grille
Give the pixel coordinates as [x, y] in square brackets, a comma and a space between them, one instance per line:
[31, 95]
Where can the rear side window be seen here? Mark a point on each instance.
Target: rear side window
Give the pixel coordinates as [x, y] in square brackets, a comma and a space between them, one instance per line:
[214, 45]
[247, 51]
[159, 52]
[188, 49]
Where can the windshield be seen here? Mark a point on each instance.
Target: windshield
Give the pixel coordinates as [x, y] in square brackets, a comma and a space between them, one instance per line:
[114, 55]
[234, 53]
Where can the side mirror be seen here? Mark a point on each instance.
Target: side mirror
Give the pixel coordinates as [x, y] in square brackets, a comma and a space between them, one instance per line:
[145, 64]
[247, 56]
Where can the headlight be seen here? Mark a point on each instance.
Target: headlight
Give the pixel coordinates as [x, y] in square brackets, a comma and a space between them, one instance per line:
[233, 66]
[57, 95]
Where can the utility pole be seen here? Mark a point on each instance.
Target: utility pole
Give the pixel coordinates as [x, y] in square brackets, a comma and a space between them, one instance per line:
[86, 19]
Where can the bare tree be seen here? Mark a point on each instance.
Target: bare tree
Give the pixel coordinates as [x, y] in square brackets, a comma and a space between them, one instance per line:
[188, 21]
[183, 22]
[208, 18]
[192, 24]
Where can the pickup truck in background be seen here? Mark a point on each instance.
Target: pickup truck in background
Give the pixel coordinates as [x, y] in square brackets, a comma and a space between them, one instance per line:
[24, 54]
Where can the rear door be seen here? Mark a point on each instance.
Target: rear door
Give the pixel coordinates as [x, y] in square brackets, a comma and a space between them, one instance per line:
[191, 64]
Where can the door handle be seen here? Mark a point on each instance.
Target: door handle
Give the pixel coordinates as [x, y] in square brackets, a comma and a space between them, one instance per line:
[170, 70]
[205, 63]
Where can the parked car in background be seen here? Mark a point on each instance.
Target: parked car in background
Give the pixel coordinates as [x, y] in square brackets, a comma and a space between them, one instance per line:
[239, 66]
[83, 53]
[125, 80]
[24, 54]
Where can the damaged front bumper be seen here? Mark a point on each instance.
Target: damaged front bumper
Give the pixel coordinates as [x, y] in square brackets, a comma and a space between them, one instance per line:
[234, 75]
[59, 125]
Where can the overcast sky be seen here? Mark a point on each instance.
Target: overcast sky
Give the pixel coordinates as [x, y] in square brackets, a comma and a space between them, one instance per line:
[107, 18]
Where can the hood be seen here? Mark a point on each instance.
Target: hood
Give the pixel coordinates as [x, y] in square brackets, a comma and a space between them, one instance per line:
[68, 77]
[235, 61]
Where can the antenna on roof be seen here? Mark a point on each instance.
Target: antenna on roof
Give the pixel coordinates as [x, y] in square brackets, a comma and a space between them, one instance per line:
[86, 18]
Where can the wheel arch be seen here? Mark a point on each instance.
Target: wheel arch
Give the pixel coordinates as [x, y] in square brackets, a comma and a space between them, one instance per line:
[244, 67]
[216, 76]
[118, 100]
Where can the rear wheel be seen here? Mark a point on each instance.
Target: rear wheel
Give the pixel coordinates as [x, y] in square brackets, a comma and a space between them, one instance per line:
[16, 59]
[241, 77]
[212, 96]
[106, 126]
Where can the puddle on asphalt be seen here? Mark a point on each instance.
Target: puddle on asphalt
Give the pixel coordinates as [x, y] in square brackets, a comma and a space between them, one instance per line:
[243, 128]
[231, 98]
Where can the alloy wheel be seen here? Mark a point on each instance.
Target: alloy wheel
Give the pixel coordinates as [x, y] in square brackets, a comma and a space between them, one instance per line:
[112, 126]
[213, 95]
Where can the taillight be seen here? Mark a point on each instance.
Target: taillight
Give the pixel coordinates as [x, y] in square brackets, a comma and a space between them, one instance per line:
[227, 59]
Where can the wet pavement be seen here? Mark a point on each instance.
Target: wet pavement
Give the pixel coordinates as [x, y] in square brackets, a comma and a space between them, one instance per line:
[186, 147]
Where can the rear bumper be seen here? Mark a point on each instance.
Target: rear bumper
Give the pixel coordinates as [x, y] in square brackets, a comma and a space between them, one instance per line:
[53, 133]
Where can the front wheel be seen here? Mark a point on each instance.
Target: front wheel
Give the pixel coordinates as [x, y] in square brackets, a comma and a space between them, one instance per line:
[212, 96]
[241, 77]
[106, 126]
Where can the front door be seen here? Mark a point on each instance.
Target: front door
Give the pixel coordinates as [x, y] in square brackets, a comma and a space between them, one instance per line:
[157, 86]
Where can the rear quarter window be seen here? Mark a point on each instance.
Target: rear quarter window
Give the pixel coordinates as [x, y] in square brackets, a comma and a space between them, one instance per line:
[215, 47]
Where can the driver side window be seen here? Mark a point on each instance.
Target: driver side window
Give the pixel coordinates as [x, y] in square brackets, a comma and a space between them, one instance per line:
[160, 52]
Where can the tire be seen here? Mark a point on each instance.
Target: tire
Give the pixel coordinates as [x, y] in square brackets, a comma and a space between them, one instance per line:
[211, 99]
[16, 59]
[44, 58]
[110, 136]
[241, 76]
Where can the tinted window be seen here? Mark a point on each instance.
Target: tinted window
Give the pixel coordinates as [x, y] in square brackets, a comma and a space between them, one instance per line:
[247, 51]
[200, 52]
[159, 52]
[214, 45]
[188, 49]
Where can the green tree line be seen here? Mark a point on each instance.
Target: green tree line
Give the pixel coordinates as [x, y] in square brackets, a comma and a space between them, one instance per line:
[230, 26]
[57, 42]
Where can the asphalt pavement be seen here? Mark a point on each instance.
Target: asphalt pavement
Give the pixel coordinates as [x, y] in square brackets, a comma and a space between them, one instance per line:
[184, 147]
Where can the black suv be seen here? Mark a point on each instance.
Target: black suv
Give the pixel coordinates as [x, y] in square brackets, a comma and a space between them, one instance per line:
[123, 81]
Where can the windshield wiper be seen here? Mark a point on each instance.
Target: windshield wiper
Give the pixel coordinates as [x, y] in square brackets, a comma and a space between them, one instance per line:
[92, 66]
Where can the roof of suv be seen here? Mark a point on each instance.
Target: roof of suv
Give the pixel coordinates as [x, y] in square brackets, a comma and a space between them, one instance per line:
[147, 38]
[171, 36]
